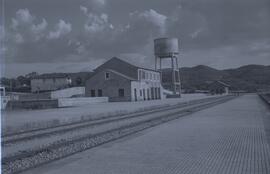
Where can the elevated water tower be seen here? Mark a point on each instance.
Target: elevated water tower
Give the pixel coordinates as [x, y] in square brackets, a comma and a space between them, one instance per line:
[167, 48]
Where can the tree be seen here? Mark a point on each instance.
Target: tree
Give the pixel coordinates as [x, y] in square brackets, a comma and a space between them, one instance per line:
[31, 75]
[78, 81]
[23, 81]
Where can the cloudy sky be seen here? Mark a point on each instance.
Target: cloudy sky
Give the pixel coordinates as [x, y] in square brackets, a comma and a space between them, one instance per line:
[77, 35]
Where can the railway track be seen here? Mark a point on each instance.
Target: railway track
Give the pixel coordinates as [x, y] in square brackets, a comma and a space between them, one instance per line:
[265, 97]
[43, 132]
[30, 149]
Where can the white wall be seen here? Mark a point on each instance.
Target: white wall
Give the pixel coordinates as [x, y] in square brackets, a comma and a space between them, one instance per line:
[4, 101]
[48, 84]
[68, 92]
[140, 85]
[149, 76]
[68, 102]
[226, 90]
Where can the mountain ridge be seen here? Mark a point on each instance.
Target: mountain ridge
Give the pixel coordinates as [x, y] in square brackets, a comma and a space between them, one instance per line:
[248, 77]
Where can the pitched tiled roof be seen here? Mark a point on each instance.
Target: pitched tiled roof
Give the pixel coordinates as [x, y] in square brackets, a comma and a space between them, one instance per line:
[51, 76]
[217, 82]
[122, 67]
[120, 74]
[223, 83]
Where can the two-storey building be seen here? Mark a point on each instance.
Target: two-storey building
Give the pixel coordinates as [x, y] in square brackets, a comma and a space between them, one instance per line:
[122, 81]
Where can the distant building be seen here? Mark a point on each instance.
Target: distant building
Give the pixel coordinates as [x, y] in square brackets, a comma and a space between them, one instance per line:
[49, 82]
[121, 81]
[218, 87]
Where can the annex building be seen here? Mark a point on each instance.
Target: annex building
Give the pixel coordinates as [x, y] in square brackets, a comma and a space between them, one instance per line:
[50, 82]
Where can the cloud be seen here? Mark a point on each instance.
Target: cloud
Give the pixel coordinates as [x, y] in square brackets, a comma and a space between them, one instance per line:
[18, 38]
[196, 33]
[39, 28]
[62, 28]
[2, 41]
[84, 9]
[31, 41]
[24, 27]
[141, 29]
[131, 37]
[94, 22]
[2, 32]
[23, 16]
[94, 6]
[224, 22]
[99, 2]
[155, 18]
[205, 30]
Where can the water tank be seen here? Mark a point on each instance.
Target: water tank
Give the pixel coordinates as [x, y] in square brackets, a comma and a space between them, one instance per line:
[166, 47]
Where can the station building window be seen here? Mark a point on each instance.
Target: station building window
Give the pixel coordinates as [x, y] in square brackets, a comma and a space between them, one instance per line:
[99, 92]
[121, 92]
[152, 93]
[143, 75]
[143, 94]
[107, 75]
[135, 94]
[156, 93]
[93, 93]
[140, 74]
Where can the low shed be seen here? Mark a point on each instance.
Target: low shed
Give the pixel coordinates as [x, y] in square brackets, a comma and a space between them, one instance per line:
[218, 87]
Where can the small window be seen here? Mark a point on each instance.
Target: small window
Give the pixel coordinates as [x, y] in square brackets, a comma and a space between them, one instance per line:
[156, 93]
[121, 92]
[143, 75]
[143, 94]
[135, 94]
[107, 75]
[93, 93]
[148, 94]
[2, 92]
[100, 93]
[152, 93]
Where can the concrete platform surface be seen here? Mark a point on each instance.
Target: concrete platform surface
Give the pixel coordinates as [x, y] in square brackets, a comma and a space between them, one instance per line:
[226, 139]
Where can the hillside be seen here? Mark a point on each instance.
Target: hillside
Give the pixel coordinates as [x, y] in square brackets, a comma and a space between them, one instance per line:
[250, 77]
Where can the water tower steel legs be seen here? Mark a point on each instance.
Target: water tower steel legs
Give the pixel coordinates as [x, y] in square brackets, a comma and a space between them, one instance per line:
[179, 81]
[156, 66]
[173, 76]
[175, 73]
[156, 63]
[160, 70]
